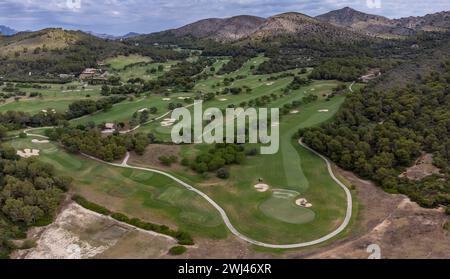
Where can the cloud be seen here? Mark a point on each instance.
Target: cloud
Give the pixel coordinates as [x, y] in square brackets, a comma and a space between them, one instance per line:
[122, 16]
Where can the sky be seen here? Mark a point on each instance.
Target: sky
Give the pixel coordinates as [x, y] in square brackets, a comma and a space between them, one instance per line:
[118, 17]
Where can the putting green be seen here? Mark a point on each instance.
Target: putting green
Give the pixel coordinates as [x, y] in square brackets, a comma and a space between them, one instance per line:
[281, 206]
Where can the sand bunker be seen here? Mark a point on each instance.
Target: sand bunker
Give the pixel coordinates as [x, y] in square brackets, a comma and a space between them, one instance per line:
[27, 153]
[168, 122]
[142, 110]
[40, 141]
[303, 203]
[323, 110]
[166, 99]
[262, 187]
[183, 98]
[295, 112]
[223, 100]
[270, 83]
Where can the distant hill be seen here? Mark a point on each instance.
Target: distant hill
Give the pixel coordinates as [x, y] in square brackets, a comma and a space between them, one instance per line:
[112, 37]
[225, 30]
[302, 26]
[249, 28]
[6, 31]
[380, 26]
[45, 54]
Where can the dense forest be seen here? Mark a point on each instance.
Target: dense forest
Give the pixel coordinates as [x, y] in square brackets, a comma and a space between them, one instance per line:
[378, 134]
[30, 193]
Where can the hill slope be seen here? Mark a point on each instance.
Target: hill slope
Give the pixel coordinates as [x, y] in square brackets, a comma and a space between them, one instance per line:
[45, 54]
[384, 27]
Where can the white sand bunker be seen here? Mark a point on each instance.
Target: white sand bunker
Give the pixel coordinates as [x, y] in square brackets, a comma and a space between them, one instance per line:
[166, 99]
[223, 100]
[142, 110]
[270, 83]
[168, 122]
[183, 98]
[303, 203]
[27, 153]
[295, 112]
[40, 141]
[323, 110]
[262, 187]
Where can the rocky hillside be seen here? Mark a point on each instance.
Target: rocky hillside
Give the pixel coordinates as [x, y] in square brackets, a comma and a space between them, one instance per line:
[380, 26]
[302, 26]
[225, 30]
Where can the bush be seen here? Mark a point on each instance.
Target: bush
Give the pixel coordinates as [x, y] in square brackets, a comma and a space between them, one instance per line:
[120, 217]
[223, 173]
[447, 210]
[90, 205]
[177, 250]
[447, 226]
[28, 244]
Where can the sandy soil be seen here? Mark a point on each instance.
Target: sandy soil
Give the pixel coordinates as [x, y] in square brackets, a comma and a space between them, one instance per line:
[78, 233]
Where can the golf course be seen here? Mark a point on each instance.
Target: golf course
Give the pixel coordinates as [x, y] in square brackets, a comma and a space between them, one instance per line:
[300, 203]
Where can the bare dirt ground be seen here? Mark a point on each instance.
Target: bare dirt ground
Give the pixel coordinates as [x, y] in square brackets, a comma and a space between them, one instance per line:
[422, 168]
[78, 233]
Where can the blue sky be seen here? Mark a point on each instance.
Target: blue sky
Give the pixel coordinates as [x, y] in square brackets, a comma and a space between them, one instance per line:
[146, 16]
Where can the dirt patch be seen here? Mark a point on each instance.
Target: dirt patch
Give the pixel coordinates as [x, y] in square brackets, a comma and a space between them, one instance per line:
[78, 233]
[422, 168]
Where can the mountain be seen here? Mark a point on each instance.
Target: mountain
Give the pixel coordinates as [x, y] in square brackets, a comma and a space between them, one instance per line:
[250, 28]
[380, 26]
[227, 29]
[112, 37]
[438, 22]
[6, 31]
[130, 35]
[302, 26]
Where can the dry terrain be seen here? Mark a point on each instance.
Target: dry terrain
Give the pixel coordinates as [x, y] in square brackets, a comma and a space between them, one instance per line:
[78, 233]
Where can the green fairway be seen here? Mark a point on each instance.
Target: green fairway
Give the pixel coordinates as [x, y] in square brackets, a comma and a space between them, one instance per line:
[118, 63]
[141, 194]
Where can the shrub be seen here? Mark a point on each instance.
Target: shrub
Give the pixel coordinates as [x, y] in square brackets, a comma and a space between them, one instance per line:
[177, 250]
[447, 210]
[223, 173]
[90, 205]
[120, 217]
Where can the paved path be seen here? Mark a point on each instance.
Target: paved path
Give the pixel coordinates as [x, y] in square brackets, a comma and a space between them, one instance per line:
[233, 230]
[351, 87]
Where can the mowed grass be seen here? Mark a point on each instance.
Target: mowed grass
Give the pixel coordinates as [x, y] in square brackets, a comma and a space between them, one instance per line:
[53, 98]
[119, 62]
[146, 195]
[293, 168]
